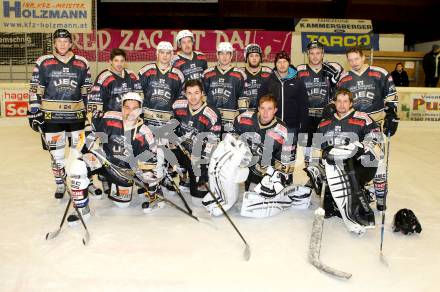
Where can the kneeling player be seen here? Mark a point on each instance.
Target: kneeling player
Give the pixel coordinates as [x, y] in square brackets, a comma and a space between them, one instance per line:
[196, 121]
[274, 148]
[129, 149]
[351, 149]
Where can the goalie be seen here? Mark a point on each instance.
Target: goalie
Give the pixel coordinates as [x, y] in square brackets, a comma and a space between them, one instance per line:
[350, 148]
[273, 148]
[129, 145]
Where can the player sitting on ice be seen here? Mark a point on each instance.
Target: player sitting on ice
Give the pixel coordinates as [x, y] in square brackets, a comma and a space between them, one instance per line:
[273, 149]
[129, 145]
[350, 147]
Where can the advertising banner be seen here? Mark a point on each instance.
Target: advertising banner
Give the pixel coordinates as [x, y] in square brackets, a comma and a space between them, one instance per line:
[14, 99]
[337, 43]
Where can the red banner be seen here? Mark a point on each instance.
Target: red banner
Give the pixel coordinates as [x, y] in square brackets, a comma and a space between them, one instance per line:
[140, 45]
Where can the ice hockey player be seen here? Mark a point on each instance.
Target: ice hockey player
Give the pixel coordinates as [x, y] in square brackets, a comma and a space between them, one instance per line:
[130, 146]
[190, 62]
[106, 94]
[57, 104]
[320, 79]
[162, 85]
[256, 74]
[274, 150]
[351, 150]
[224, 86]
[375, 94]
[196, 121]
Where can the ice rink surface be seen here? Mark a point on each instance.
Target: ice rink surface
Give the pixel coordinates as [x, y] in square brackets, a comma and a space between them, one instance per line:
[167, 251]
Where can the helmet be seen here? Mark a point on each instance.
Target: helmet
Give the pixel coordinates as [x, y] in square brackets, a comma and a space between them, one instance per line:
[252, 48]
[183, 34]
[62, 33]
[225, 47]
[406, 221]
[132, 96]
[315, 45]
[166, 46]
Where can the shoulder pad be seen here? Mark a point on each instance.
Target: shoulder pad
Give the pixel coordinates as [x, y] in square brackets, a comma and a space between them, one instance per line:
[178, 73]
[210, 114]
[301, 67]
[266, 69]
[103, 76]
[113, 115]
[241, 71]
[363, 116]
[180, 103]
[43, 58]
[207, 71]
[146, 68]
[379, 69]
[324, 123]
[281, 129]
[198, 53]
[81, 58]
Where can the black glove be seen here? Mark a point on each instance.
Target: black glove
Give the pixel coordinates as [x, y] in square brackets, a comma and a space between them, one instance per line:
[36, 119]
[331, 72]
[391, 121]
[329, 111]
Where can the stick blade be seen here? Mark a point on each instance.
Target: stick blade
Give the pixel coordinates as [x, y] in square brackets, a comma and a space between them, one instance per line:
[51, 235]
[247, 253]
[86, 238]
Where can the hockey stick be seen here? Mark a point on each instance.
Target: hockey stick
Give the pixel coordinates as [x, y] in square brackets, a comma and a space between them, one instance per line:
[316, 238]
[247, 250]
[179, 193]
[51, 235]
[138, 182]
[382, 213]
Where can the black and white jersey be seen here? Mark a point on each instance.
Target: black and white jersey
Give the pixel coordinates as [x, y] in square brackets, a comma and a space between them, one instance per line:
[206, 119]
[224, 91]
[283, 151]
[252, 85]
[60, 89]
[191, 68]
[371, 89]
[319, 87]
[109, 87]
[124, 144]
[161, 89]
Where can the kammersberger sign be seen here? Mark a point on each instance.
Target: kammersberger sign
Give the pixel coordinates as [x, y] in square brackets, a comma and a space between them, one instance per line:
[45, 16]
[334, 25]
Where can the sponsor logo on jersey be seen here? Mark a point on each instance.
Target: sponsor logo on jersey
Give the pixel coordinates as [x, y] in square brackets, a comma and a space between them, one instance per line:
[356, 122]
[115, 124]
[108, 80]
[236, 75]
[181, 112]
[50, 62]
[265, 75]
[141, 139]
[303, 74]
[324, 123]
[204, 120]
[150, 72]
[374, 74]
[275, 136]
[246, 121]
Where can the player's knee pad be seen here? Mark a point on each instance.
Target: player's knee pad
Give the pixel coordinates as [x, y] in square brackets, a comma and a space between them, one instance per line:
[79, 175]
[91, 161]
[121, 195]
[75, 137]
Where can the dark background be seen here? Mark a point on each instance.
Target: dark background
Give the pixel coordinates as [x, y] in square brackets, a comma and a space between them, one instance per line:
[417, 19]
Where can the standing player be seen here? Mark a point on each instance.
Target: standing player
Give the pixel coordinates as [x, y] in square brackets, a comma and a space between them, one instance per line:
[161, 85]
[320, 79]
[196, 117]
[58, 97]
[191, 63]
[224, 86]
[256, 74]
[375, 94]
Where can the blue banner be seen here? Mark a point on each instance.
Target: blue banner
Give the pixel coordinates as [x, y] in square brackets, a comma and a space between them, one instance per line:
[338, 43]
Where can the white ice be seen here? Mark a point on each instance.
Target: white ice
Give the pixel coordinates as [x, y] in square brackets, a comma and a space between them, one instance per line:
[167, 251]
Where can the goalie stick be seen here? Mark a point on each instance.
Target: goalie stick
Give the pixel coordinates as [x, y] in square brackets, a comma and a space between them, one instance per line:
[316, 238]
[51, 235]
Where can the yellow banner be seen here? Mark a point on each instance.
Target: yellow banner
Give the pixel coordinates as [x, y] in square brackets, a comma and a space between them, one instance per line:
[45, 16]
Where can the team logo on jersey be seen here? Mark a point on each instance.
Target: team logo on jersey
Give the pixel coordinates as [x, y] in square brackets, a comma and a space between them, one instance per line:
[316, 80]
[162, 81]
[360, 83]
[221, 80]
[65, 70]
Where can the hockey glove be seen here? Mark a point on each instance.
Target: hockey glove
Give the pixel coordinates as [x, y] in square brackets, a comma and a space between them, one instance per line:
[36, 119]
[331, 72]
[329, 111]
[391, 121]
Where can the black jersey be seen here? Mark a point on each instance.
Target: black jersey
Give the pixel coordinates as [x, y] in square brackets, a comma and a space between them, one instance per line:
[352, 127]
[282, 153]
[191, 68]
[108, 89]
[252, 85]
[161, 89]
[371, 89]
[124, 145]
[206, 119]
[60, 89]
[224, 91]
[319, 87]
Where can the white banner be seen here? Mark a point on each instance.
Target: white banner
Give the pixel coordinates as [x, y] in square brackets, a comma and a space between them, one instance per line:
[14, 99]
[334, 25]
[46, 16]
